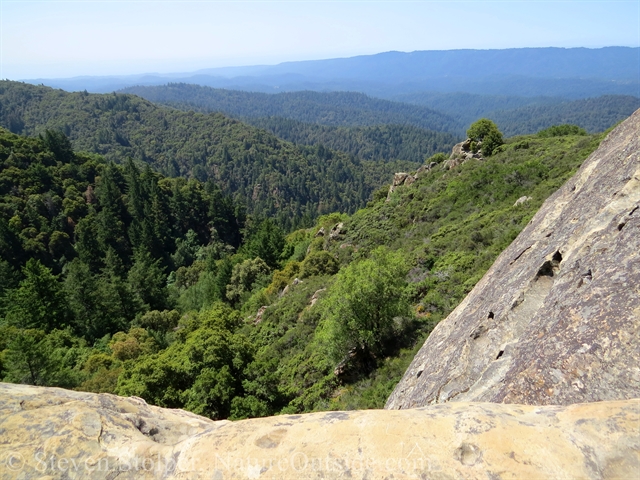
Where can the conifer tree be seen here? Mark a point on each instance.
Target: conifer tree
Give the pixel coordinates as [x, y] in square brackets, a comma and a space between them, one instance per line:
[39, 300]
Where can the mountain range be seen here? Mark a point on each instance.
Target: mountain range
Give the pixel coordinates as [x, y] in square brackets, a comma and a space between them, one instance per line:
[564, 72]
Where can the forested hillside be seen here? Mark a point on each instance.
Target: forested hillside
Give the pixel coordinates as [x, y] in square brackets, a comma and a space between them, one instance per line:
[266, 174]
[525, 115]
[468, 107]
[443, 112]
[117, 279]
[592, 114]
[330, 108]
[404, 142]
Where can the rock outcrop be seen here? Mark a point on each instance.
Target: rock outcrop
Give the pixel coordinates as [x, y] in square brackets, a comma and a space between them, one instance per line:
[462, 152]
[556, 320]
[54, 433]
[400, 179]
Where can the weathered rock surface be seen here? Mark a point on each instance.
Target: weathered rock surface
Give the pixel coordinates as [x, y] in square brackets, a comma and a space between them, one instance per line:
[54, 433]
[556, 320]
[460, 153]
[400, 179]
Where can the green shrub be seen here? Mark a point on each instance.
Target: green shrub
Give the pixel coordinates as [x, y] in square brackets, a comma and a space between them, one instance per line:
[319, 263]
[485, 131]
[561, 131]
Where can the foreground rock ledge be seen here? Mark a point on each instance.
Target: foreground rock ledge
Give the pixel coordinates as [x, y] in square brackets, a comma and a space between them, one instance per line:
[55, 433]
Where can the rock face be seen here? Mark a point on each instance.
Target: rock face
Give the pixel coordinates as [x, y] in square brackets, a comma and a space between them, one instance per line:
[54, 433]
[460, 153]
[400, 179]
[556, 320]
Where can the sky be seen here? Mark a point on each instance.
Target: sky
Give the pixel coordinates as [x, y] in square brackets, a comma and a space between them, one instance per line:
[57, 39]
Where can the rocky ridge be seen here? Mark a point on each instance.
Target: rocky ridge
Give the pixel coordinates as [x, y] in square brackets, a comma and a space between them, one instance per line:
[556, 319]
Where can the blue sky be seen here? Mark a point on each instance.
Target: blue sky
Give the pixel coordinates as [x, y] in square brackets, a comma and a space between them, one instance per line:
[52, 38]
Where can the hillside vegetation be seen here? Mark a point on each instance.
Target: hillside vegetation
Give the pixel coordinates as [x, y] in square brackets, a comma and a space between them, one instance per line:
[520, 115]
[325, 108]
[117, 279]
[268, 175]
[592, 114]
[431, 112]
[403, 142]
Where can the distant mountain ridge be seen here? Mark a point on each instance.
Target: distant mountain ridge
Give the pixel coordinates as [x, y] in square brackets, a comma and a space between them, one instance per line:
[568, 72]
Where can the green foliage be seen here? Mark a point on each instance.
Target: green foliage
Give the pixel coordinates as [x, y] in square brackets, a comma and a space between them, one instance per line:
[592, 114]
[281, 278]
[131, 345]
[561, 130]
[244, 276]
[140, 309]
[201, 371]
[39, 301]
[268, 243]
[453, 226]
[375, 142]
[319, 263]
[147, 281]
[36, 358]
[272, 177]
[363, 303]
[527, 114]
[327, 108]
[437, 158]
[486, 132]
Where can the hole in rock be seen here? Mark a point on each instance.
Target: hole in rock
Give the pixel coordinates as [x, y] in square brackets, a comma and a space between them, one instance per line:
[500, 353]
[546, 270]
[490, 315]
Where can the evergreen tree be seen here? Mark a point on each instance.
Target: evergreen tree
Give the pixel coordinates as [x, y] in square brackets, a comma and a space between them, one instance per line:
[112, 217]
[147, 281]
[39, 300]
[118, 301]
[87, 244]
[90, 318]
[267, 243]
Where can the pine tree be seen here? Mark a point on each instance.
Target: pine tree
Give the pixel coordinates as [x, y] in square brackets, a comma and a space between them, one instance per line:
[39, 300]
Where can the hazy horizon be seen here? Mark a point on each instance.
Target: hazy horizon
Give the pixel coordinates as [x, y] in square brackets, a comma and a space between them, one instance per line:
[61, 39]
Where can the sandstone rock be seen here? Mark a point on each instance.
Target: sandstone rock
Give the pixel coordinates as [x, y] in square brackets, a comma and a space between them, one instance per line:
[460, 153]
[261, 311]
[54, 433]
[336, 231]
[425, 168]
[422, 169]
[316, 296]
[400, 179]
[521, 200]
[556, 319]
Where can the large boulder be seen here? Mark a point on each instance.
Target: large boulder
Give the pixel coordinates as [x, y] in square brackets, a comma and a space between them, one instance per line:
[556, 319]
[53, 433]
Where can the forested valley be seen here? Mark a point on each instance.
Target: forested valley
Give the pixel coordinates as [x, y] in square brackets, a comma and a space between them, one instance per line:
[118, 278]
[271, 177]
